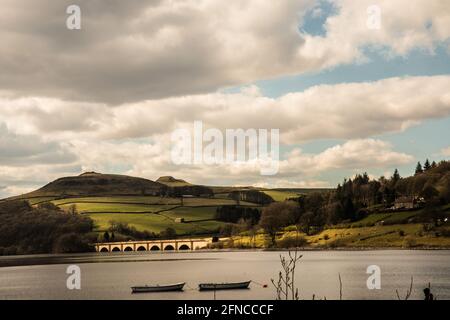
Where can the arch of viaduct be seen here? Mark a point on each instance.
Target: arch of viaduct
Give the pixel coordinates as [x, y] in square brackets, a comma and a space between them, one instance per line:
[153, 245]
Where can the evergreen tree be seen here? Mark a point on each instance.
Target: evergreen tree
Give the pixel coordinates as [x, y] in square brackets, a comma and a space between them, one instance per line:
[366, 178]
[419, 169]
[433, 164]
[396, 176]
[427, 165]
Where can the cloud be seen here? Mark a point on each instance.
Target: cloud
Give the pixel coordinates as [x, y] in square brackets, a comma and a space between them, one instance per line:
[348, 35]
[446, 152]
[134, 138]
[23, 150]
[130, 51]
[10, 191]
[134, 50]
[153, 160]
[18, 179]
[342, 111]
[362, 154]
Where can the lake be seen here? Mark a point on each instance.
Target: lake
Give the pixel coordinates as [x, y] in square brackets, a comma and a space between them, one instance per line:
[110, 275]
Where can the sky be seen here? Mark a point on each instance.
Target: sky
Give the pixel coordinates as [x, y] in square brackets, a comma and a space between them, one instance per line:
[352, 86]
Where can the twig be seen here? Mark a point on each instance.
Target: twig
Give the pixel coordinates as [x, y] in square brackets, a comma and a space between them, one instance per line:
[408, 292]
[285, 286]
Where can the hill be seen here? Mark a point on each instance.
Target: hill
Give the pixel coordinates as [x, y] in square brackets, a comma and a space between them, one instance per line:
[172, 182]
[97, 184]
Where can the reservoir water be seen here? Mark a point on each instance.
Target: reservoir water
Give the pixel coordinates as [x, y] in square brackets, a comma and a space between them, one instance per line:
[110, 275]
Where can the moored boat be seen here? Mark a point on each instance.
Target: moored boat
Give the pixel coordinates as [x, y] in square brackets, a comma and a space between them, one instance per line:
[223, 286]
[158, 288]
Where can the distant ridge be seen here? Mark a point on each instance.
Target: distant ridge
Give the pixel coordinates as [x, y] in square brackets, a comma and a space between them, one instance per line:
[173, 182]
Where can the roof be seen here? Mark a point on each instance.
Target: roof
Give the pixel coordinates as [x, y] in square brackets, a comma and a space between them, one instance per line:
[404, 199]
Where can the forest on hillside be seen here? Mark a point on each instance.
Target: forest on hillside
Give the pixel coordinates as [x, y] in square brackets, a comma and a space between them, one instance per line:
[357, 198]
[46, 228]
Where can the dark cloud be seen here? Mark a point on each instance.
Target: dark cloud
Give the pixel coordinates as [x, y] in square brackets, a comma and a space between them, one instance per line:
[136, 50]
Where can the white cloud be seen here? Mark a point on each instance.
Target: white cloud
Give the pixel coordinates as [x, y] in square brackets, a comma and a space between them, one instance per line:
[342, 111]
[135, 138]
[360, 154]
[405, 25]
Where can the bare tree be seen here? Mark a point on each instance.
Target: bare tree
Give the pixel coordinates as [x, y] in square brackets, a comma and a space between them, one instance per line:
[408, 292]
[285, 286]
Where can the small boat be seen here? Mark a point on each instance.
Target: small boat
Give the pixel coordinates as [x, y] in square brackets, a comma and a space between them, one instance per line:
[159, 288]
[223, 286]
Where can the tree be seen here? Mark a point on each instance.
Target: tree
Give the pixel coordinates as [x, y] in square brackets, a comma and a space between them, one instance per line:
[433, 164]
[429, 193]
[306, 222]
[395, 176]
[427, 165]
[106, 236]
[72, 209]
[274, 217]
[419, 169]
[71, 243]
[45, 228]
[349, 209]
[168, 233]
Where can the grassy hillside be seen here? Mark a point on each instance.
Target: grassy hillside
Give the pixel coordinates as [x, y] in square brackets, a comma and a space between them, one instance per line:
[281, 194]
[96, 184]
[392, 236]
[152, 214]
[172, 182]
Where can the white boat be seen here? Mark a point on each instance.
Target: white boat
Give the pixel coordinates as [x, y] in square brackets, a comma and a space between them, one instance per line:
[158, 288]
[223, 286]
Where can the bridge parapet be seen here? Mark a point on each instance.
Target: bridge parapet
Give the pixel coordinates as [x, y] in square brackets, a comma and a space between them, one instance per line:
[154, 245]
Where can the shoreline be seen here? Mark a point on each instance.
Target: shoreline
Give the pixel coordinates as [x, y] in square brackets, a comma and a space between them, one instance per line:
[99, 254]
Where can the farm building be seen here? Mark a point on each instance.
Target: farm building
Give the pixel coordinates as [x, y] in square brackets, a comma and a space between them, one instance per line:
[406, 202]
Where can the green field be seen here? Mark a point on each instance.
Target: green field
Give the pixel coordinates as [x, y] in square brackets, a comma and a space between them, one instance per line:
[34, 201]
[286, 193]
[387, 218]
[85, 207]
[154, 214]
[280, 195]
[124, 199]
[154, 223]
